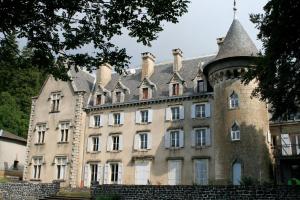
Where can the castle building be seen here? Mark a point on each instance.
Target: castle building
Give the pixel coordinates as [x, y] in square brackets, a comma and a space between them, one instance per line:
[190, 121]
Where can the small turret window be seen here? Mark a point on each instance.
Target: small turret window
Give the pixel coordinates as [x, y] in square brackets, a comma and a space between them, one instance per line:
[234, 100]
[235, 132]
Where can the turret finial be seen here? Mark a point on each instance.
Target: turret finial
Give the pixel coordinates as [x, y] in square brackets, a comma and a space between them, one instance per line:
[234, 9]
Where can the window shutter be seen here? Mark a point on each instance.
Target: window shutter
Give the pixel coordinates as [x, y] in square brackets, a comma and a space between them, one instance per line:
[92, 121]
[168, 114]
[268, 136]
[109, 143]
[100, 174]
[120, 173]
[181, 112]
[89, 144]
[106, 173]
[167, 139]
[150, 115]
[181, 138]
[101, 120]
[121, 118]
[121, 142]
[207, 110]
[193, 110]
[110, 119]
[193, 138]
[138, 117]
[149, 141]
[86, 175]
[170, 89]
[136, 141]
[122, 96]
[99, 143]
[208, 137]
[36, 136]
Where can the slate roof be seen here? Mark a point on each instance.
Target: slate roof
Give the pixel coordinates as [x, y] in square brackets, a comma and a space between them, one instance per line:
[8, 135]
[160, 77]
[236, 43]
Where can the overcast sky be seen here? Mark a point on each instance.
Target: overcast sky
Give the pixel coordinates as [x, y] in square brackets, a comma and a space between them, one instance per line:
[196, 32]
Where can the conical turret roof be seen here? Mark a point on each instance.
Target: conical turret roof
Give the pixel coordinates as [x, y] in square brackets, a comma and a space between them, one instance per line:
[236, 43]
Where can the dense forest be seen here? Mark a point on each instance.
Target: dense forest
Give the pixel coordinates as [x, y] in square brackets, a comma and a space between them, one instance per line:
[19, 81]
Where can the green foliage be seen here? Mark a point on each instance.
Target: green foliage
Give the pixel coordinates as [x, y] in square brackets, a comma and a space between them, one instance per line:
[19, 81]
[248, 181]
[278, 72]
[54, 29]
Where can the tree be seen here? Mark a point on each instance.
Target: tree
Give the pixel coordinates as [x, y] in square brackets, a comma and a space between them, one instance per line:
[19, 81]
[278, 70]
[54, 29]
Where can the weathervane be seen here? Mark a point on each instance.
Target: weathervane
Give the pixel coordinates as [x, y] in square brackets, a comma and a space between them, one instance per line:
[234, 9]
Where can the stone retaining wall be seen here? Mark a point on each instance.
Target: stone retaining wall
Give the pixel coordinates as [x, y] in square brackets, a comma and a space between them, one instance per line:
[149, 192]
[27, 191]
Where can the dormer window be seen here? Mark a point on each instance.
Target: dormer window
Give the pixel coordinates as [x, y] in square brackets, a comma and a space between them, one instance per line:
[145, 93]
[200, 86]
[99, 99]
[175, 89]
[118, 97]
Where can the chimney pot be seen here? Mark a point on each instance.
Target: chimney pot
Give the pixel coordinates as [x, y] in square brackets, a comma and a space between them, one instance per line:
[147, 65]
[177, 65]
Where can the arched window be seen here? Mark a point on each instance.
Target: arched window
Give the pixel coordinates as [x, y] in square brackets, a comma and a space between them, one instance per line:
[236, 173]
[233, 100]
[235, 132]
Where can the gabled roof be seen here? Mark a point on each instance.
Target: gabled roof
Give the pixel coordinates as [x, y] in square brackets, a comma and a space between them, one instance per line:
[10, 136]
[176, 78]
[148, 82]
[120, 85]
[236, 43]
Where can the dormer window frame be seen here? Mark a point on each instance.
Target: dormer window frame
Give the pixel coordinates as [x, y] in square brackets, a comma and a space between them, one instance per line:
[197, 88]
[148, 85]
[119, 99]
[102, 98]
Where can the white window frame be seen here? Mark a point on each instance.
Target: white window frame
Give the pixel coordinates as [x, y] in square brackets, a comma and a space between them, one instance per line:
[144, 116]
[95, 143]
[117, 118]
[61, 167]
[138, 143]
[114, 173]
[235, 134]
[201, 111]
[168, 139]
[55, 101]
[200, 137]
[40, 133]
[37, 167]
[64, 129]
[172, 180]
[234, 100]
[175, 113]
[175, 139]
[97, 120]
[198, 88]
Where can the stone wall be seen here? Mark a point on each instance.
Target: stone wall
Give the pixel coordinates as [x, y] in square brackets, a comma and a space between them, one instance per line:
[27, 191]
[143, 192]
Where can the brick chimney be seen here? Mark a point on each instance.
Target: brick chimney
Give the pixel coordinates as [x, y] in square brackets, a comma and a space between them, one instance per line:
[103, 74]
[147, 65]
[177, 65]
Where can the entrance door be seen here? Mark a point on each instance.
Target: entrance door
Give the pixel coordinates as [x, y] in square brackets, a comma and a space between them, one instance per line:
[237, 173]
[174, 172]
[142, 172]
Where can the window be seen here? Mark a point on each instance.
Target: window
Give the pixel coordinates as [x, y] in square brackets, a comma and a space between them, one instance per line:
[114, 169]
[37, 167]
[142, 172]
[236, 173]
[200, 111]
[97, 121]
[200, 86]
[235, 132]
[174, 139]
[41, 129]
[64, 131]
[234, 100]
[144, 140]
[144, 116]
[174, 172]
[115, 142]
[55, 98]
[98, 99]
[118, 97]
[94, 172]
[175, 89]
[201, 171]
[117, 118]
[95, 141]
[61, 163]
[145, 93]
[200, 137]
[175, 113]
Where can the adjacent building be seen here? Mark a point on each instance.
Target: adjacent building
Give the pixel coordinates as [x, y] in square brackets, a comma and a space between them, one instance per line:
[12, 155]
[189, 121]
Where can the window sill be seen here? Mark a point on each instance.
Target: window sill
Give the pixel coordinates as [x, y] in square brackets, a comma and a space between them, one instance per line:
[59, 180]
[235, 140]
[142, 150]
[62, 142]
[175, 148]
[201, 147]
[235, 108]
[39, 144]
[143, 123]
[116, 125]
[95, 127]
[201, 118]
[36, 180]
[54, 112]
[94, 152]
[115, 151]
